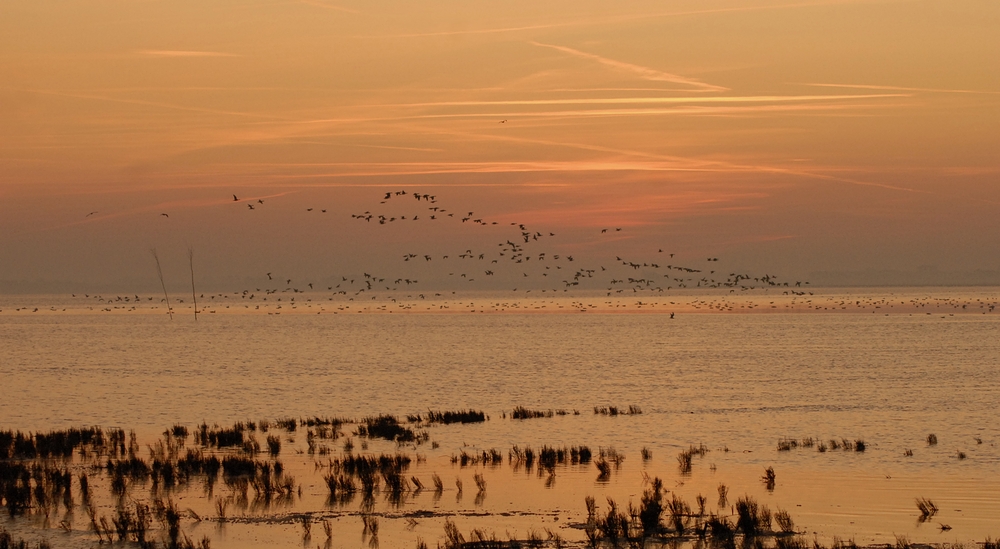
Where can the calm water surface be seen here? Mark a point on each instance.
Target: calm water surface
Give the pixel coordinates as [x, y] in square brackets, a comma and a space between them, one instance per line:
[731, 381]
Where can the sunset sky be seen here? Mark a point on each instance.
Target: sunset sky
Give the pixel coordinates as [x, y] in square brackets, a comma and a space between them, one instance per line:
[797, 138]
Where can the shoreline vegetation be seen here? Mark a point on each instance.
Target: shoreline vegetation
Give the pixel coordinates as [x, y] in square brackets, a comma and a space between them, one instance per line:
[107, 488]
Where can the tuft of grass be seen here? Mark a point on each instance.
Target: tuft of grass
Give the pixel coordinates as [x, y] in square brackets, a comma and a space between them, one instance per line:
[520, 412]
[387, 427]
[604, 469]
[651, 507]
[787, 444]
[753, 518]
[680, 513]
[769, 478]
[460, 416]
[927, 509]
[932, 439]
[273, 445]
[785, 523]
[721, 531]
[614, 526]
[647, 454]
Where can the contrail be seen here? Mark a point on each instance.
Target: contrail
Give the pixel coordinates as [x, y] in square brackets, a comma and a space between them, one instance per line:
[644, 72]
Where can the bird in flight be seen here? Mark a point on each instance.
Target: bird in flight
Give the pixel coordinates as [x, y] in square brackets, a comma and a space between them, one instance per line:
[235, 199]
[164, 215]
[90, 214]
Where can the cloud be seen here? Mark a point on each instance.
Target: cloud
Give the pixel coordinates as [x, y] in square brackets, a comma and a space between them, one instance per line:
[610, 20]
[324, 5]
[898, 88]
[645, 73]
[649, 100]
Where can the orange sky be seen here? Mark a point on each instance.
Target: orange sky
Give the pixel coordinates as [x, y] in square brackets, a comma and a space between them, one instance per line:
[789, 137]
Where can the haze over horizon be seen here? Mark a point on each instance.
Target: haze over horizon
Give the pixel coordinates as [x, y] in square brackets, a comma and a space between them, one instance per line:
[844, 142]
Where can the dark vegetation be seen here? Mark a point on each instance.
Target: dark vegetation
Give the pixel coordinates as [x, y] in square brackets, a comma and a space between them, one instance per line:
[388, 427]
[685, 458]
[521, 412]
[41, 473]
[461, 416]
[673, 519]
[60, 444]
[352, 474]
[927, 509]
[615, 410]
[789, 444]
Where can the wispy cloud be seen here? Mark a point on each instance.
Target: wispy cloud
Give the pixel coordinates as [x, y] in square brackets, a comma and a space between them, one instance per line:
[327, 6]
[609, 20]
[645, 73]
[157, 104]
[649, 100]
[898, 88]
[184, 53]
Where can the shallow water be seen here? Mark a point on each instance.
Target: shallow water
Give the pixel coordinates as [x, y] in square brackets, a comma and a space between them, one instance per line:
[739, 382]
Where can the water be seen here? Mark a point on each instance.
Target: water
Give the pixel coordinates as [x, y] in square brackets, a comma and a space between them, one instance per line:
[730, 381]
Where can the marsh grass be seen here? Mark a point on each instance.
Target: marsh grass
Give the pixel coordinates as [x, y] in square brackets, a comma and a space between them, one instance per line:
[603, 469]
[273, 445]
[768, 479]
[785, 523]
[491, 457]
[723, 495]
[927, 509]
[387, 427]
[680, 513]
[685, 457]
[520, 412]
[460, 416]
[753, 519]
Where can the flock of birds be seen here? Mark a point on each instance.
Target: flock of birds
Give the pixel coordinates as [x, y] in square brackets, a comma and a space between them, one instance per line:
[520, 257]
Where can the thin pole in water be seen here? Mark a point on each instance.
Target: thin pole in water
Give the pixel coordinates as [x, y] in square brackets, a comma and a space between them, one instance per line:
[159, 273]
[193, 295]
